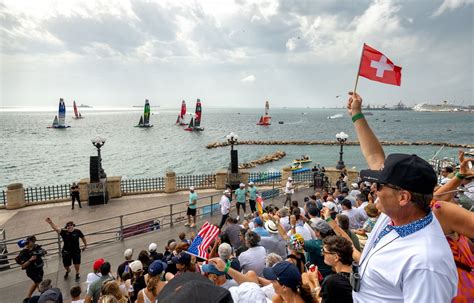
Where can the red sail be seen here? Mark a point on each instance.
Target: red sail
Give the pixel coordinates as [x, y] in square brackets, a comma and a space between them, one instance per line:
[183, 109]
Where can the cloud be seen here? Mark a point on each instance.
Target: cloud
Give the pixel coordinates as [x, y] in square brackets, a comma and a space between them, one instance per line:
[250, 78]
[450, 5]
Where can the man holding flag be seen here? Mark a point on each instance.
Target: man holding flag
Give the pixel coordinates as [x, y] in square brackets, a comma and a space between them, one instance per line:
[203, 240]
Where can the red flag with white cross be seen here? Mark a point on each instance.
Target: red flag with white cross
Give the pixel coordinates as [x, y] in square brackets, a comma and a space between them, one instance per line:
[377, 67]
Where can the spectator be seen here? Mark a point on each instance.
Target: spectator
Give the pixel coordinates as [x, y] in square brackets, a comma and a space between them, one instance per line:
[154, 255]
[182, 238]
[144, 257]
[253, 192]
[232, 231]
[407, 231]
[313, 248]
[75, 195]
[373, 214]
[225, 207]
[124, 267]
[138, 279]
[273, 243]
[298, 226]
[284, 219]
[184, 263]
[154, 285]
[94, 291]
[242, 247]
[254, 257]
[30, 260]
[446, 175]
[92, 276]
[289, 191]
[241, 199]
[225, 253]
[192, 207]
[351, 213]
[49, 294]
[218, 277]
[111, 288]
[343, 222]
[296, 252]
[71, 252]
[259, 229]
[76, 294]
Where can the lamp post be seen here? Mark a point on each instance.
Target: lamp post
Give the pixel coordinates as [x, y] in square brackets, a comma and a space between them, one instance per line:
[98, 142]
[234, 161]
[341, 138]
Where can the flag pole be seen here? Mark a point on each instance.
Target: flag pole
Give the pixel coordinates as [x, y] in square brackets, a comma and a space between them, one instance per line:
[358, 70]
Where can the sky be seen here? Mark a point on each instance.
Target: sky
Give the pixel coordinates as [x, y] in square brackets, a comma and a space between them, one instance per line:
[231, 53]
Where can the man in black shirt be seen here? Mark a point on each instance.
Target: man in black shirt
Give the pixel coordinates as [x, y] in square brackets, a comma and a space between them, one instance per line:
[75, 195]
[30, 259]
[71, 251]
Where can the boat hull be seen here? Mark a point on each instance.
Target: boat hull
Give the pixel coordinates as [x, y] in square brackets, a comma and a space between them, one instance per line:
[144, 126]
[263, 124]
[302, 161]
[59, 126]
[195, 129]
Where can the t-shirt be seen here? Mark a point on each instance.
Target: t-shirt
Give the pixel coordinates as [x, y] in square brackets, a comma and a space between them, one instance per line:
[193, 200]
[229, 283]
[95, 287]
[289, 188]
[336, 288]
[123, 267]
[252, 193]
[260, 230]
[225, 204]
[71, 240]
[313, 255]
[274, 244]
[253, 259]
[233, 231]
[78, 301]
[240, 195]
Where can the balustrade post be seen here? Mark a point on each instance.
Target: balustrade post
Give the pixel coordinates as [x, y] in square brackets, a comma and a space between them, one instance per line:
[121, 227]
[171, 215]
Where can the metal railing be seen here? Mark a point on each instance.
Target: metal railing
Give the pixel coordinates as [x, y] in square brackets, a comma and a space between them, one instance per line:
[265, 178]
[45, 193]
[198, 181]
[306, 176]
[3, 198]
[141, 185]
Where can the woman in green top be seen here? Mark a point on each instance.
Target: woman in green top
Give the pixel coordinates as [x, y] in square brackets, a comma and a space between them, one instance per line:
[241, 198]
[253, 191]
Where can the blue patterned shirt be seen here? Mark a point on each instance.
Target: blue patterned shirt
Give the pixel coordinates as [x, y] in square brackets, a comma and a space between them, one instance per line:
[407, 229]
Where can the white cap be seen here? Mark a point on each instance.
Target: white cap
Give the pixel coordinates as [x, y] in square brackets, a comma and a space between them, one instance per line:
[251, 183]
[128, 253]
[290, 179]
[355, 185]
[152, 247]
[241, 185]
[191, 188]
[136, 266]
[330, 205]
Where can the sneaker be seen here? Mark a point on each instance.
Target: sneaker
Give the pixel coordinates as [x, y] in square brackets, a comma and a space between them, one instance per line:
[238, 218]
[66, 274]
[192, 225]
[186, 224]
[78, 277]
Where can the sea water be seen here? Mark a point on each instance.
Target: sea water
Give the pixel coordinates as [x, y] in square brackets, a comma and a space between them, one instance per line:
[37, 156]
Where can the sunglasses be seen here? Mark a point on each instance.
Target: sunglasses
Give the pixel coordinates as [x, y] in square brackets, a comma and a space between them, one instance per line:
[324, 252]
[380, 186]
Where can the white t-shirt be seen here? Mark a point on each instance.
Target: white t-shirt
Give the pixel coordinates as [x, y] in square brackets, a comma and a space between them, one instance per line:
[78, 301]
[416, 268]
[289, 188]
[225, 205]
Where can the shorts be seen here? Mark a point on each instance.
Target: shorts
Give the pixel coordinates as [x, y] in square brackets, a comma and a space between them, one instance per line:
[71, 258]
[35, 275]
[191, 212]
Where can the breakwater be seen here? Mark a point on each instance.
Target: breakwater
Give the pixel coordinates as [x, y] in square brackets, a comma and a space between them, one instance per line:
[289, 142]
[268, 158]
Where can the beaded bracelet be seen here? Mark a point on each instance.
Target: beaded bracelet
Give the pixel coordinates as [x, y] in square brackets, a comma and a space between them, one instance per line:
[357, 117]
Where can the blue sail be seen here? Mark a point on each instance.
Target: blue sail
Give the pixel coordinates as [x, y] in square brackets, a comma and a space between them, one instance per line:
[61, 113]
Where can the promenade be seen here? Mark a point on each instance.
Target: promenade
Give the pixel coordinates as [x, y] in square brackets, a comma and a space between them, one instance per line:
[14, 283]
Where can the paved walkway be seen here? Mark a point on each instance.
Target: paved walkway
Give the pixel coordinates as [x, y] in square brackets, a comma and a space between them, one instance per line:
[14, 283]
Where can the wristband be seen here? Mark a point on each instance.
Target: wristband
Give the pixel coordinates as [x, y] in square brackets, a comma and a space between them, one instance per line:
[328, 219]
[227, 266]
[460, 176]
[357, 117]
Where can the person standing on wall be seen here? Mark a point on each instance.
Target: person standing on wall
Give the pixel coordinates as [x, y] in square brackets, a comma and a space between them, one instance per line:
[192, 206]
[71, 252]
[75, 195]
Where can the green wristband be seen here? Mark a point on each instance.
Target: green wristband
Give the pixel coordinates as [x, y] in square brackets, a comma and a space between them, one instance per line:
[357, 117]
[460, 176]
[227, 266]
[328, 219]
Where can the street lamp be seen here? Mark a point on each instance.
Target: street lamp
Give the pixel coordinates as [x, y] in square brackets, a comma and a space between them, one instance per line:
[234, 160]
[341, 138]
[98, 142]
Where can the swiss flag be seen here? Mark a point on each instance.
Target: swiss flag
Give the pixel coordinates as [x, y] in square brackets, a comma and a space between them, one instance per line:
[376, 66]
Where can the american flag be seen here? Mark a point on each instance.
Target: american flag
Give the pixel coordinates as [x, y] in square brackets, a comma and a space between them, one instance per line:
[201, 243]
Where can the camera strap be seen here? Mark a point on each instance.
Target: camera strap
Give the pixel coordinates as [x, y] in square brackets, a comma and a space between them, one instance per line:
[368, 256]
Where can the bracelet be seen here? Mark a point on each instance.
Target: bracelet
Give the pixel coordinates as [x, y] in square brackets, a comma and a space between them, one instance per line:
[460, 176]
[357, 117]
[328, 219]
[227, 266]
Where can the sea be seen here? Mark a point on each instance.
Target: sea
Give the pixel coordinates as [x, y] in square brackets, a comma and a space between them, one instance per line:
[35, 155]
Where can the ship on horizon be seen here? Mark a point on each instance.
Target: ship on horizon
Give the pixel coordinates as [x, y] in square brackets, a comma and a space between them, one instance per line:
[443, 107]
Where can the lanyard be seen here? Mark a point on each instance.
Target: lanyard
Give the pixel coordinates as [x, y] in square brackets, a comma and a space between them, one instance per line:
[362, 261]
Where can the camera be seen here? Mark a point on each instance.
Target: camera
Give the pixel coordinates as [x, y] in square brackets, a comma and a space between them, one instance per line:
[354, 279]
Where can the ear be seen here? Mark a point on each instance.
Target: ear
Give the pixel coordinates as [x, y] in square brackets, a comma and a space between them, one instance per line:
[404, 197]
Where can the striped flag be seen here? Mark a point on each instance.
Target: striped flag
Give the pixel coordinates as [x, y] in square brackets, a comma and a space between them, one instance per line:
[201, 243]
[260, 205]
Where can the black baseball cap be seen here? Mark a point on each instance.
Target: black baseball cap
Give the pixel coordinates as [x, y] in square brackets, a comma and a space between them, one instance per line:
[409, 172]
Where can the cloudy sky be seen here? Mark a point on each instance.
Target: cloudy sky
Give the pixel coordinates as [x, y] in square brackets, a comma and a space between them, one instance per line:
[231, 52]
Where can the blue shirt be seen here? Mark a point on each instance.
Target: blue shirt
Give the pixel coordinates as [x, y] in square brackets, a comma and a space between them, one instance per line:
[252, 193]
[261, 231]
[240, 195]
[193, 200]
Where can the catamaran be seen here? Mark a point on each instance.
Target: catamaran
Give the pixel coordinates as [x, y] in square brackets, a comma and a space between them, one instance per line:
[265, 119]
[180, 120]
[195, 123]
[145, 119]
[77, 114]
[60, 119]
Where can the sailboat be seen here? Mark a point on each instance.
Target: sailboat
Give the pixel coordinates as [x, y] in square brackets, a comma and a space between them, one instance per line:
[77, 114]
[265, 119]
[195, 123]
[180, 120]
[60, 120]
[145, 119]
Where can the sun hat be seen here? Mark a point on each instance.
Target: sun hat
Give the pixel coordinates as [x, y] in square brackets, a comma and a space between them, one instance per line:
[290, 179]
[98, 263]
[271, 227]
[296, 242]
[251, 183]
[284, 272]
[191, 188]
[156, 268]
[409, 172]
[211, 269]
[241, 185]
[136, 266]
[128, 253]
[331, 205]
[152, 247]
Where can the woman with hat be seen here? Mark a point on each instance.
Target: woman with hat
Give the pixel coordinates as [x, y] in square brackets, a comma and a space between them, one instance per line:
[373, 214]
[154, 285]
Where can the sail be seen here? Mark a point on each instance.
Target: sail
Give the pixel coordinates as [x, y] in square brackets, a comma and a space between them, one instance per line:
[191, 124]
[266, 120]
[267, 107]
[55, 121]
[197, 120]
[178, 121]
[261, 119]
[146, 114]
[140, 123]
[62, 113]
[76, 113]
[183, 109]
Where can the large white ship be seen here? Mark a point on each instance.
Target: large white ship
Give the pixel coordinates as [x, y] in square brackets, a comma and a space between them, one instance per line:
[444, 107]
